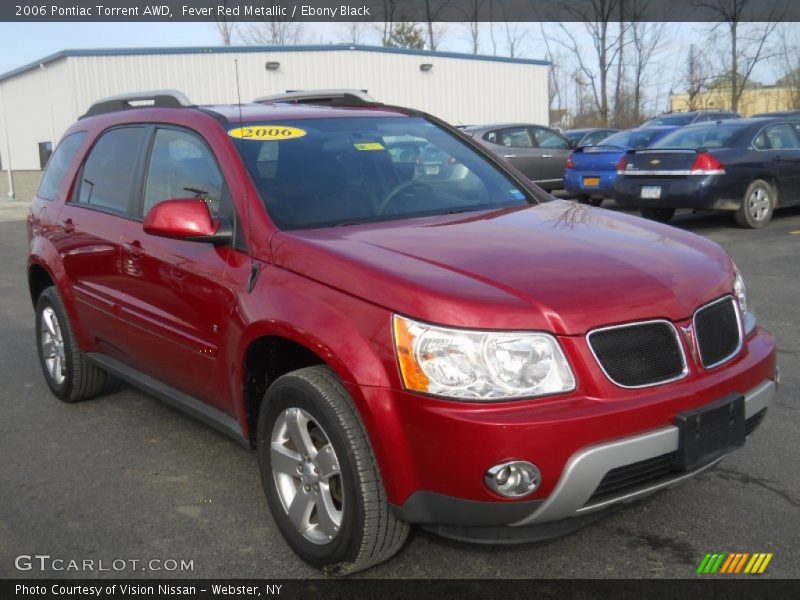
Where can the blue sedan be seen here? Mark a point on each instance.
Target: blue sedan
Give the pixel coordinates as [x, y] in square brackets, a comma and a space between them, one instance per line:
[591, 170]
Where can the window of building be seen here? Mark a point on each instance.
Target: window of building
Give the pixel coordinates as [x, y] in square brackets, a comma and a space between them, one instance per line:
[45, 150]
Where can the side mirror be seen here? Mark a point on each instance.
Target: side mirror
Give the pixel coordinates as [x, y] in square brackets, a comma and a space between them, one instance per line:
[573, 143]
[187, 219]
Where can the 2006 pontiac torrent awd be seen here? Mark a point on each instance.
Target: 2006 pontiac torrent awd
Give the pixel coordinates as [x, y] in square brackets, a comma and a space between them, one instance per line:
[404, 327]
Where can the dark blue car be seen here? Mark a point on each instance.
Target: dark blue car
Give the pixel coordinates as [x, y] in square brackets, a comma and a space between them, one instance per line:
[590, 171]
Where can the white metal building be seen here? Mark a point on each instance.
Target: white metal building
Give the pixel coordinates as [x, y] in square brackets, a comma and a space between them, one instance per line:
[40, 100]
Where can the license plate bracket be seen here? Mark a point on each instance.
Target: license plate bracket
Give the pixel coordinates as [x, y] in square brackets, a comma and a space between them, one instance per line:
[709, 432]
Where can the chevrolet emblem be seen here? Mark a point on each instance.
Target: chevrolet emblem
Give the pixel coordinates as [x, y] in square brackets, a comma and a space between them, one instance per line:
[655, 162]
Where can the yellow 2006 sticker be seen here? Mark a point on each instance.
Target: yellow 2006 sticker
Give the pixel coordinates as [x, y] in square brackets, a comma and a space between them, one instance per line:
[267, 132]
[369, 146]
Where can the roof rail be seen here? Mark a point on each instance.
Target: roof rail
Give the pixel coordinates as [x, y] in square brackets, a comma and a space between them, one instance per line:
[149, 99]
[333, 97]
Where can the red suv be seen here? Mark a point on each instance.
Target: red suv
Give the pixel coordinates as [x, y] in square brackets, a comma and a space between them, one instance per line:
[404, 342]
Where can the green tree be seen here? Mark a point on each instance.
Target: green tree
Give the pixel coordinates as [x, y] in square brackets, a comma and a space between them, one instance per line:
[406, 34]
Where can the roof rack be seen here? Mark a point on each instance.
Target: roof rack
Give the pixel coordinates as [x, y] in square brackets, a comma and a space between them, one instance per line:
[332, 97]
[149, 99]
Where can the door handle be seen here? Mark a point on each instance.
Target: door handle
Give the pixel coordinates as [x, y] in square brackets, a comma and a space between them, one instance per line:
[67, 226]
[509, 156]
[547, 156]
[133, 248]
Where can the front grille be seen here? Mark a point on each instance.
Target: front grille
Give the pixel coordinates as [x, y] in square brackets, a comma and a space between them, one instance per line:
[640, 354]
[716, 326]
[639, 475]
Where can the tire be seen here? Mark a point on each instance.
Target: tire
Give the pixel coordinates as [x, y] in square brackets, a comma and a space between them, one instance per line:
[662, 215]
[69, 374]
[357, 530]
[590, 200]
[757, 206]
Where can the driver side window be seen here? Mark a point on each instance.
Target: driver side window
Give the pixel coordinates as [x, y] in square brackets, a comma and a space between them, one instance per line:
[182, 166]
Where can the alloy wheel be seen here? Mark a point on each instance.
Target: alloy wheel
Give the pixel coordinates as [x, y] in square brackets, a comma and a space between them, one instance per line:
[52, 346]
[307, 475]
[759, 204]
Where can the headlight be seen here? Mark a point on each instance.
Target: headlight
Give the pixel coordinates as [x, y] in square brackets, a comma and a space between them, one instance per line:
[745, 308]
[479, 365]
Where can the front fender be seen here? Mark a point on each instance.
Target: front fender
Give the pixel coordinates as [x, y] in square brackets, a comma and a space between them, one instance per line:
[352, 336]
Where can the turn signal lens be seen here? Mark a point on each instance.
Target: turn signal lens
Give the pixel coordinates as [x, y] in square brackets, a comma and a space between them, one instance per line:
[570, 163]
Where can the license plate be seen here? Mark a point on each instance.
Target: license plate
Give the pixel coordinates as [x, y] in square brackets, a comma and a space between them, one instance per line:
[651, 192]
[709, 432]
[431, 170]
[591, 181]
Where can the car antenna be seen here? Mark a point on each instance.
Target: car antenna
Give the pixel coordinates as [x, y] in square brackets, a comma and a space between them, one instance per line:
[255, 268]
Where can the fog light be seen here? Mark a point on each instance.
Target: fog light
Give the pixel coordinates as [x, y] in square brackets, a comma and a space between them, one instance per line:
[513, 479]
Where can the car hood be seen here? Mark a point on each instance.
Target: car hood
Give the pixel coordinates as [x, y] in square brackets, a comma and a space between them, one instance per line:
[558, 266]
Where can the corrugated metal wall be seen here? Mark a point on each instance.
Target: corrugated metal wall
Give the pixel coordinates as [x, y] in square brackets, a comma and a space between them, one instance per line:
[461, 91]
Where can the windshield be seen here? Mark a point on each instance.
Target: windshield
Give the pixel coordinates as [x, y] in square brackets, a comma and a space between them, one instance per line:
[677, 120]
[634, 139]
[709, 136]
[344, 171]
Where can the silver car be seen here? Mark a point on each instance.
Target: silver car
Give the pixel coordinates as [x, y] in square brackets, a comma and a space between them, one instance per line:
[539, 152]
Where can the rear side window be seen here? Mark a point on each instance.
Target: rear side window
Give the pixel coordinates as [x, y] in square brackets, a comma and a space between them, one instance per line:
[545, 138]
[782, 137]
[108, 175]
[182, 166]
[56, 171]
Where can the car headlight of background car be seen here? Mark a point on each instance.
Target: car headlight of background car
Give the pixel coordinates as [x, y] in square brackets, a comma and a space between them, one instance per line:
[745, 307]
[479, 365]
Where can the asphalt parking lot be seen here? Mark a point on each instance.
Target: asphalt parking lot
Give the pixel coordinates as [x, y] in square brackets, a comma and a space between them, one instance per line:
[125, 477]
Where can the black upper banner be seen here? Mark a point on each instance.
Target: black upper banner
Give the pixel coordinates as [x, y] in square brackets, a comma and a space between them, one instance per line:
[399, 10]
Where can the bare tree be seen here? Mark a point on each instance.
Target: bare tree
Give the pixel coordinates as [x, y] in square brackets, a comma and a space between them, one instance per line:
[272, 32]
[697, 76]
[748, 42]
[433, 13]
[596, 16]
[225, 30]
[646, 42]
[385, 27]
[473, 13]
[790, 68]
[354, 32]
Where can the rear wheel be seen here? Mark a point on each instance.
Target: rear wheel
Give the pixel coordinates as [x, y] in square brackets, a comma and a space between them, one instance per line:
[662, 215]
[757, 205]
[69, 374]
[320, 477]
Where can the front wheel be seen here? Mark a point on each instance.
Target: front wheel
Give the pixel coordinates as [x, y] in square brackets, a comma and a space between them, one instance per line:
[757, 206]
[591, 201]
[320, 476]
[67, 370]
[662, 215]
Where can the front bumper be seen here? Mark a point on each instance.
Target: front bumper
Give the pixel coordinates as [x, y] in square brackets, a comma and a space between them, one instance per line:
[570, 505]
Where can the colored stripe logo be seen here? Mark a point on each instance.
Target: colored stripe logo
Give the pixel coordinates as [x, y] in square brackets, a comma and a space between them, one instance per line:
[731, 563]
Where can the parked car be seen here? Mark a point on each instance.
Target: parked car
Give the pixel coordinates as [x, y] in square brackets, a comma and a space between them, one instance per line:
[540, 153]
[680, 119]
[590, 172]
[588, 137]
[779, 113]
[397, 350]
[746, 166]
